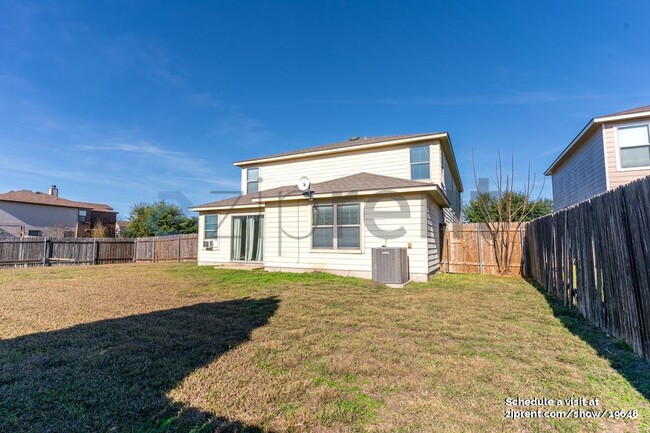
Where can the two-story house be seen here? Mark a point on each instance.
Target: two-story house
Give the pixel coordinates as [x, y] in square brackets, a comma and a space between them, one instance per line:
[28, 213]
[324, 208]
[610, 151]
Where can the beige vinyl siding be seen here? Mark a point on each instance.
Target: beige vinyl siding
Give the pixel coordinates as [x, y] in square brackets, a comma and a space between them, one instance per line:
[616, 176]
[434, 249]
[451, 215]
[582, 175]
[287, 243]
[221, 252]
[390, 161]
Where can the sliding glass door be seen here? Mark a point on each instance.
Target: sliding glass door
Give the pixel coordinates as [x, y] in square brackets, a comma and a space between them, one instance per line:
[248, 238]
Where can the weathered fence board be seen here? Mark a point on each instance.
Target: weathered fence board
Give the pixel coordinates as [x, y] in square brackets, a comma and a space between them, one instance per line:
[469, 249]
[54, 252]
[166, 248]
[595, 257]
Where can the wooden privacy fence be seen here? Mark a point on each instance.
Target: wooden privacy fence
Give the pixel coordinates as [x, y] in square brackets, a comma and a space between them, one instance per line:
[167, 248]
[49, 252]
[469, 249]
[595, 257]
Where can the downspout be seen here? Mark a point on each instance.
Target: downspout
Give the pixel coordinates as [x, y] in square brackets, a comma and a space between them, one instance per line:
[298, 237]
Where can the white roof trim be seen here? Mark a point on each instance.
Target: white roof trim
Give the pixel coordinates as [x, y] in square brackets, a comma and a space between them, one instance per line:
[228, 207]
[621, 117]
[402, 190]
[596, 120]
[566, 150]
[341, 149]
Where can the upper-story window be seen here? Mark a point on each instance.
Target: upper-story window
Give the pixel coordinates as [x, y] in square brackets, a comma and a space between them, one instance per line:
[252, 180]
[210, 227]
[83, 215]
[420, 162]
[634, 146]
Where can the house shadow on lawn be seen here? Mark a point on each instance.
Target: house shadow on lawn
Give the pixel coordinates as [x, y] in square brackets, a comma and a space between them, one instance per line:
[619, 354]
[113, 375]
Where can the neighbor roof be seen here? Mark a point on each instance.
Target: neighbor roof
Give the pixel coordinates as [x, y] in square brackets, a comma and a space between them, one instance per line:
[42, 198]
[355, 183]
[356, 143]
[592, 126]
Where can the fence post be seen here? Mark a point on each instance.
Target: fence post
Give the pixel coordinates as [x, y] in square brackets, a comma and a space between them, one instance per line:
[135, 250]
[524, 264]
[179, 249]
[94, 251]
[153, 250]
[45, 254]
[480, 255]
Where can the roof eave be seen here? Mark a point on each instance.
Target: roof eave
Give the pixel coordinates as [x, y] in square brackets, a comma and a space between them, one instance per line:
[341, 149]
[586, 130]
[361, 193]
[616, 117]
[229, 207]
[69, 206]
[453, 163]
[558, 161]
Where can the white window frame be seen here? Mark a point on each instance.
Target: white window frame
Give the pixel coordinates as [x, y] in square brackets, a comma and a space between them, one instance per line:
[618, 146]
[335, 248]
[249, 182]
[216, 231]
[411, 163]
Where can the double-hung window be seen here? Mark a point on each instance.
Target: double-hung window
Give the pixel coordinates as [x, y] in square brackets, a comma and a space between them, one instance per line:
[420, 162]
[323, 227]
[210, 228]
[83, 215]
[252, 180]
[634, 146]
[337, 226]
[348, 226]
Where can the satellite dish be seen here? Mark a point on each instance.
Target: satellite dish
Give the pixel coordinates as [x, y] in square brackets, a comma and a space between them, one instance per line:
[303, 184]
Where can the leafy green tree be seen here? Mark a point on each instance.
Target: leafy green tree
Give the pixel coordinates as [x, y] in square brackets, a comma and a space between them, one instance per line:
[159, 219]
[524, 209]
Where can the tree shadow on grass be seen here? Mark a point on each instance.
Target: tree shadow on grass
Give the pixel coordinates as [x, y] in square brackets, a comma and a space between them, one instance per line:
[113, 375]
[619, 354]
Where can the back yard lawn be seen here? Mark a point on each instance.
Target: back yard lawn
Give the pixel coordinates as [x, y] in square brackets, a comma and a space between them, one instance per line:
[155, 348]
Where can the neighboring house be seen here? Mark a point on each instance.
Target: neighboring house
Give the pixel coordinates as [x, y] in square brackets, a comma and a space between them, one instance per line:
[396, 191]
[610, 151]
[27, 213]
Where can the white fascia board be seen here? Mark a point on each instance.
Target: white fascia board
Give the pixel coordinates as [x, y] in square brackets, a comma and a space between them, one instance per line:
[549, 171]
[231, 207]
[622, 117]
[433, 190]
[341, 149]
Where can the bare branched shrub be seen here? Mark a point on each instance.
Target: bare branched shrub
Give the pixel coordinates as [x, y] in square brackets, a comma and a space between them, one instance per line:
[510, 214]
[55, 231]
[99, 230]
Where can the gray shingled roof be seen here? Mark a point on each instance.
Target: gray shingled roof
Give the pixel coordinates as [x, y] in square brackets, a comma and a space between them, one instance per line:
[342, 144]
[356, 182]
[630, 111]
[43, 198]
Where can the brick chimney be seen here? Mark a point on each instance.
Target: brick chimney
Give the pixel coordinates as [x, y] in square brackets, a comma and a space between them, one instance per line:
[54, 191]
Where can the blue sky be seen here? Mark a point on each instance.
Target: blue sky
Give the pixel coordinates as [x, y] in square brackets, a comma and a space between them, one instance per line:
[118, 102]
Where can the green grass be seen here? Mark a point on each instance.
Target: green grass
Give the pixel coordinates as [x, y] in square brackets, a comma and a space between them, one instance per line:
[162, 348]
